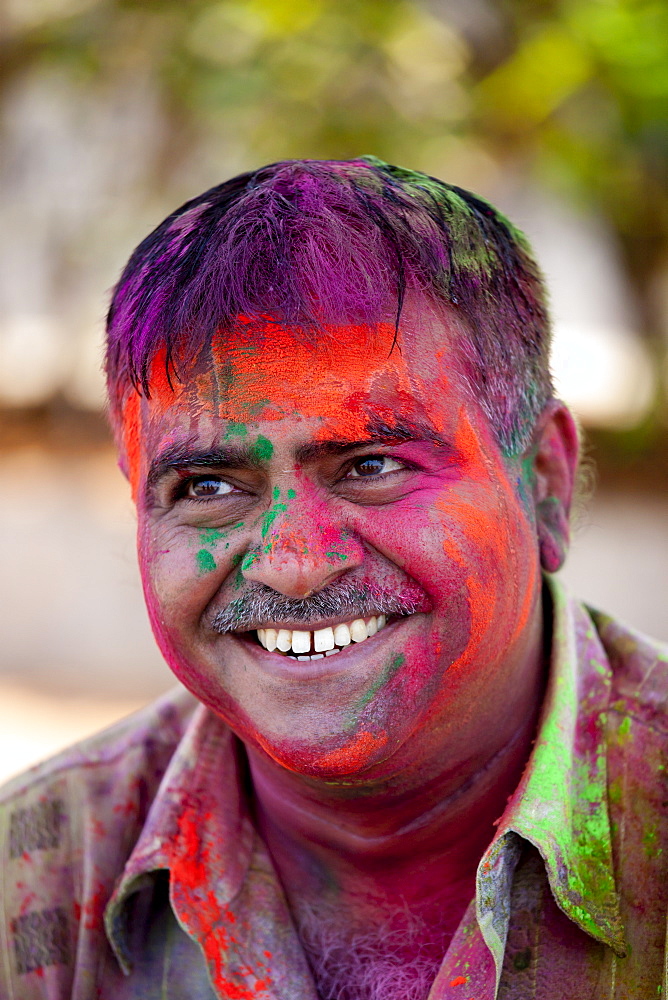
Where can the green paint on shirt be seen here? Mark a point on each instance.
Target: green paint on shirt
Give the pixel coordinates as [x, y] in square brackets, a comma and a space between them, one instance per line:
[624, 730]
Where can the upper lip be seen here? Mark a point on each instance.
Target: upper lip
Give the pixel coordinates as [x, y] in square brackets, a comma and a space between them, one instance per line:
[316, 626]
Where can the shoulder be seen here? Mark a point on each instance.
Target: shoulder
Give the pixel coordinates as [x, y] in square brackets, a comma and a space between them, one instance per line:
[115, 772]
[67, 827]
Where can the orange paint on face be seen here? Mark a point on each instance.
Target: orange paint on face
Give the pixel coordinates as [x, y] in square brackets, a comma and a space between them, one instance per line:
[488, 587]
[132, 438]
[348, 759]
[312, 376]
[339, 762]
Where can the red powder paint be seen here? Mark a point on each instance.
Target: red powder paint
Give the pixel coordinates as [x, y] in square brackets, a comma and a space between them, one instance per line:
[27, 902]
[459, 981]
[93, 908]
[209, 921]
[131, 439]
[350, 758]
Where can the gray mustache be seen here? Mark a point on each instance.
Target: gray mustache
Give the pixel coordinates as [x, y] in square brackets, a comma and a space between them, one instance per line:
[345, 601]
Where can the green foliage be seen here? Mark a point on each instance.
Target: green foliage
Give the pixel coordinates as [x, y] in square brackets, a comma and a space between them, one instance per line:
[572, 92]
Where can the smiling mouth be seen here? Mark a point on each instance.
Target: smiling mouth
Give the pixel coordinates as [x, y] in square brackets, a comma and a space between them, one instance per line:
[300, 645]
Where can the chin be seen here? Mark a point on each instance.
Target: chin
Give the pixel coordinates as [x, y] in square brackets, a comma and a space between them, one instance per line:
[351, 756]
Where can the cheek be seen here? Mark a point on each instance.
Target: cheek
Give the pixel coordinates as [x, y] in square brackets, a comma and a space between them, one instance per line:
[496, 552]
[180, 574]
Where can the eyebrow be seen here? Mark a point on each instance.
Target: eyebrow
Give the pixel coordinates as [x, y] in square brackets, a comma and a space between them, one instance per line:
[380, 432]
[177, 456]
[244, 456]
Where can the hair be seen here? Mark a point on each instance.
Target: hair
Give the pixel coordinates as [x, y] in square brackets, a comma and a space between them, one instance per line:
[314, 243]
[395, 958]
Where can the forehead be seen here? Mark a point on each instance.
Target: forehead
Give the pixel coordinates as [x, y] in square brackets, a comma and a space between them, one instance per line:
[340, 374]
[344, 383]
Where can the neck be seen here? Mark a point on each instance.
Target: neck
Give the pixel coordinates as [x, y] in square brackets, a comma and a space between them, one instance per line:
[388, 841]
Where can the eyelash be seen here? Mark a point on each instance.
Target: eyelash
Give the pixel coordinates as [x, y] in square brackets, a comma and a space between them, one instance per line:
[179, 492]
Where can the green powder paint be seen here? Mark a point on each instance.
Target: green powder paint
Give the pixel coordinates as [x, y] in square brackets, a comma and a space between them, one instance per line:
[270, 516]
[624, 731]
[209, 536]
[336, 555]
[235, 430]
[205, 561]
[291, 494]
[248, 560]
[263, 449]
[650, 840]
[389, 671]
[615, 792]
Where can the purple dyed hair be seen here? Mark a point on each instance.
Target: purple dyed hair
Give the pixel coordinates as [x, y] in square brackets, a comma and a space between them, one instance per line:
[316, 242]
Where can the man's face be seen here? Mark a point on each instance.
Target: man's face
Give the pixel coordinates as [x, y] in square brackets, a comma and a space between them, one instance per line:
[299, 487]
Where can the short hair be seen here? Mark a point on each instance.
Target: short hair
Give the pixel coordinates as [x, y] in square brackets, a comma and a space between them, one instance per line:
[314, 243]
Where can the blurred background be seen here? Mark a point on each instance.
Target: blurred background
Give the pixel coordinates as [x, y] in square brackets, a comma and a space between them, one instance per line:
[113, 112]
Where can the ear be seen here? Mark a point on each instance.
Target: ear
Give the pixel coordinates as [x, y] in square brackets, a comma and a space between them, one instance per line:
[553, 455]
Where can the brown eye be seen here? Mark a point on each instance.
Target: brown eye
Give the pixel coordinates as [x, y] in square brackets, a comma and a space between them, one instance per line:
[373, 465]
[207, 486]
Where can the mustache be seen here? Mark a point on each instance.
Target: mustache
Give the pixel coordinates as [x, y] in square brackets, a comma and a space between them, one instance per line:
[343, 599]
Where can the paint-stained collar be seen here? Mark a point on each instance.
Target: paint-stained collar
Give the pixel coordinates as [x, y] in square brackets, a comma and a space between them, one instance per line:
[198, 829]
[560, 805]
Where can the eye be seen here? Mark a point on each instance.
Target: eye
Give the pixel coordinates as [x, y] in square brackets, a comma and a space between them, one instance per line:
[373, 465]
[207, 486]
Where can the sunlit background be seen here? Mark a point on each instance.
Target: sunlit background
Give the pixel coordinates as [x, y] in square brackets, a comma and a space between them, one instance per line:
[115, 111]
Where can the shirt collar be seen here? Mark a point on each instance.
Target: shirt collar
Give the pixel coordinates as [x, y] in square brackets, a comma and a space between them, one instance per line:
[198, 828]
[560, 805]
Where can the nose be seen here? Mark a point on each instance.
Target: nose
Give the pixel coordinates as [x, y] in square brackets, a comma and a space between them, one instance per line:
[301, 549]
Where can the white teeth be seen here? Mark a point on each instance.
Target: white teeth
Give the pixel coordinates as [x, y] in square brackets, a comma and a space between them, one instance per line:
[270, 639]
[284, 640]
[301, 642]
[342, 635]
[358, 630]
[323, 639]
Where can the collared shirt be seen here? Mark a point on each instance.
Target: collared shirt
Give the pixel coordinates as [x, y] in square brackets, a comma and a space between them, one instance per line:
[131, 869]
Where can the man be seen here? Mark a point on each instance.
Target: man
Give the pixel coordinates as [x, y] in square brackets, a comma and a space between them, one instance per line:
[413, 766]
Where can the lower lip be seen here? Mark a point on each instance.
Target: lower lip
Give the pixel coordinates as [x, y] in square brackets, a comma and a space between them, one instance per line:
[346, 660]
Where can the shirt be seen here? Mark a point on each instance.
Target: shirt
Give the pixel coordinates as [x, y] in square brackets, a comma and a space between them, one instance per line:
[131, 867]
